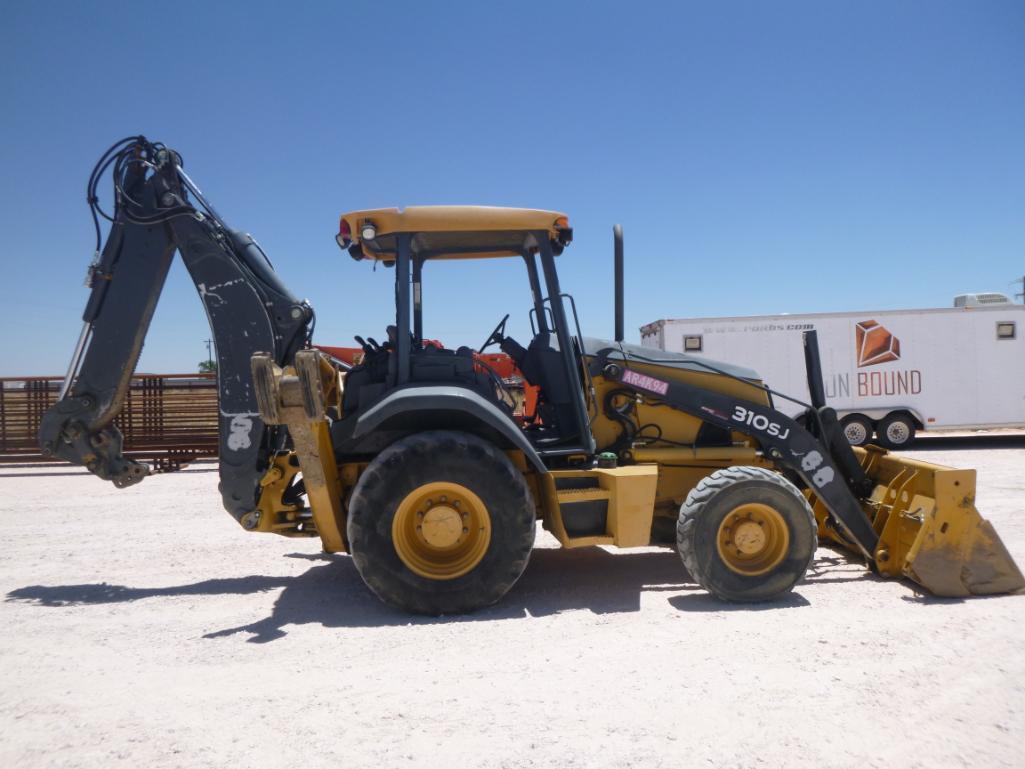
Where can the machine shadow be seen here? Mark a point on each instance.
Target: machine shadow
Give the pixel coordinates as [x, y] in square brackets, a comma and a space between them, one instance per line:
[705, 602]
[835, 566]
[103, 593]
[941, 442]
[332, 594]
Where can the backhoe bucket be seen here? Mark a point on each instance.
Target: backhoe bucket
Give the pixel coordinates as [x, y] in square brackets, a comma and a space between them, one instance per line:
[929, 530]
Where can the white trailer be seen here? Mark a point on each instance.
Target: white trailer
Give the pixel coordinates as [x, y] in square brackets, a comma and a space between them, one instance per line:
[889, 372]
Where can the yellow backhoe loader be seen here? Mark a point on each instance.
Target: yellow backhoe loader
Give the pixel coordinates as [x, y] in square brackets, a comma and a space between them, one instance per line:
[412, 461]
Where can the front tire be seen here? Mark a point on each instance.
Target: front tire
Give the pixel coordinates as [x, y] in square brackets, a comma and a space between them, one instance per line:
[441, 522]
[746, 534]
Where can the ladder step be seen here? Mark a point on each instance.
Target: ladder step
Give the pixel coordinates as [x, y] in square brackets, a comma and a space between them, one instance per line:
[571, 496]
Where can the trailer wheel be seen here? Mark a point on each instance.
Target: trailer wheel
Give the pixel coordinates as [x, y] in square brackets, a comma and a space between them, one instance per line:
[441, 522]
[896, 431]
[746, 534]
[857, 429]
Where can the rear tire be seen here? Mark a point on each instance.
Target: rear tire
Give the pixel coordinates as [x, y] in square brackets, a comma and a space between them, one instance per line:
[746, 534]
[857, 429]
[896, 431]
[441, 522]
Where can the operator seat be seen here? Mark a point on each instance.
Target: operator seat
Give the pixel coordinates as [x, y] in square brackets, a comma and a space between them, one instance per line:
[542, 366]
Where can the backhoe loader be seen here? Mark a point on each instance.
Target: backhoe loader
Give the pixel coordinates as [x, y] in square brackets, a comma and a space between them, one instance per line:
[411, 460]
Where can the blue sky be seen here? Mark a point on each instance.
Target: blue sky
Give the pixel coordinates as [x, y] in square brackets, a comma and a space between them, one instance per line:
[762, 157]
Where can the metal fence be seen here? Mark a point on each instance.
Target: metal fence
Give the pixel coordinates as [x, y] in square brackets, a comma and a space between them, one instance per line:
[168, 420]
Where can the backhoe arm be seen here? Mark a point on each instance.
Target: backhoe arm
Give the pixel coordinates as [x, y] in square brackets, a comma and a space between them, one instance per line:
[158, 211]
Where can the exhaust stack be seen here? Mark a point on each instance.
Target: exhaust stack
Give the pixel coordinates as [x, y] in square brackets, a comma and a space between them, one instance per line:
[617, 238]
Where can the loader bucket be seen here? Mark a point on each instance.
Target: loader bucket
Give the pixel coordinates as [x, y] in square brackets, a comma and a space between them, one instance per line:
[929, 530]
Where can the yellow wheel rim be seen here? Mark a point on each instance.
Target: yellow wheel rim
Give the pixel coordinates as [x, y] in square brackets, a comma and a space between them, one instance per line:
[441, 530]
[753, 539]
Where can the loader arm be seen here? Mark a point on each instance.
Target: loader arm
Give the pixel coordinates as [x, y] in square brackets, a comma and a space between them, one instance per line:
[158, 211]
[785, 442]
[906, 518]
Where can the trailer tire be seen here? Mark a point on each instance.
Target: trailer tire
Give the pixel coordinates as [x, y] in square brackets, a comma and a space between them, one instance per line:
[441, 522]
[746, 534]
[896, 431]
[857, 429]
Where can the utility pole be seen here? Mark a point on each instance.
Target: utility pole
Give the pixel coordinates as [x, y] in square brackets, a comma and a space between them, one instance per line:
[1022, 292]
[209, 353]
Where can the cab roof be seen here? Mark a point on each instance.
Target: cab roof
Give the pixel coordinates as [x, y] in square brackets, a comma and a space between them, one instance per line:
[450, 232]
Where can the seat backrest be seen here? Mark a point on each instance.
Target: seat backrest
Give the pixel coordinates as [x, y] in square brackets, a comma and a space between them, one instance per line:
[543, 366]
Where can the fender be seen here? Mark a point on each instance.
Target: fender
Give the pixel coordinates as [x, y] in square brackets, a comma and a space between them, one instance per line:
[444, 407]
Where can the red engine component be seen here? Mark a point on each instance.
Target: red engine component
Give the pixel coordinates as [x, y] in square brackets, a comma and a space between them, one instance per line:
[503, 365]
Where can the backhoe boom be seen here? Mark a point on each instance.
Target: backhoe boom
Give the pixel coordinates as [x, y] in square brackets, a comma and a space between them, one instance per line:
[158, 211]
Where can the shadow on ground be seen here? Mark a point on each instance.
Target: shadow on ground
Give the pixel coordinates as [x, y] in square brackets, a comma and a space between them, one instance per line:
[938, 442]
[332, 594]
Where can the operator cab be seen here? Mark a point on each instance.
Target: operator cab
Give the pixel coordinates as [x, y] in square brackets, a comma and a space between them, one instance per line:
[407, 240]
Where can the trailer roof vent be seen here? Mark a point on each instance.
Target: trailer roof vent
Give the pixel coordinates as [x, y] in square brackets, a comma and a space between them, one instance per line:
[977, 300]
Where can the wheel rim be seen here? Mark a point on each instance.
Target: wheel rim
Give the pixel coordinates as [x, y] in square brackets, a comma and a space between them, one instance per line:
[441, 530]
[856, 433]
[897, 432]
[753, 539]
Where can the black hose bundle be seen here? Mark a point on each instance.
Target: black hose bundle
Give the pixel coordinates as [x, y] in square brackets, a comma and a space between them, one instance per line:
[119, 157]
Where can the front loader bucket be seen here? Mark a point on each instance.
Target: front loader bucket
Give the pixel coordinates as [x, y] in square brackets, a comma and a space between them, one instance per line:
[929, 530]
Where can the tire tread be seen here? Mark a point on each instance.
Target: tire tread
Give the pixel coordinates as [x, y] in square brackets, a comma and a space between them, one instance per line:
[697, 500]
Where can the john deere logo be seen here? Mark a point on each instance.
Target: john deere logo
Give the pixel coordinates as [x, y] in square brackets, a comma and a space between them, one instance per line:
[875, 344]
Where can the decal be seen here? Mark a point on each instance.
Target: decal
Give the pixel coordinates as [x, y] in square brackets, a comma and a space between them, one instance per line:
[905, 382]
[714, 412]
[645, 382]
[759, 422]
[874, 347]
[239, 429]
[813, 461]
[874, 344]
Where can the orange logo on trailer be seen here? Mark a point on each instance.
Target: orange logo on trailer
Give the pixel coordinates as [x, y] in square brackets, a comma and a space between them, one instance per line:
[875, 344]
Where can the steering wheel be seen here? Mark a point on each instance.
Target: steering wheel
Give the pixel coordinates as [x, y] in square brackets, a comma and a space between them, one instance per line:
[495, 336]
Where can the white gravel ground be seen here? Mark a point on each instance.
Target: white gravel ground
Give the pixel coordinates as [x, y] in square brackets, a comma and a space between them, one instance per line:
[144, 628]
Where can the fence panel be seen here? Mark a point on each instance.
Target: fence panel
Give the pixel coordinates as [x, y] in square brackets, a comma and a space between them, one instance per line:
[168, 419]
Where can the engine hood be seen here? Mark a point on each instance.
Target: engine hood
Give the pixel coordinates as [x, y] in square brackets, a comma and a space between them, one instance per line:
[635, 352]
